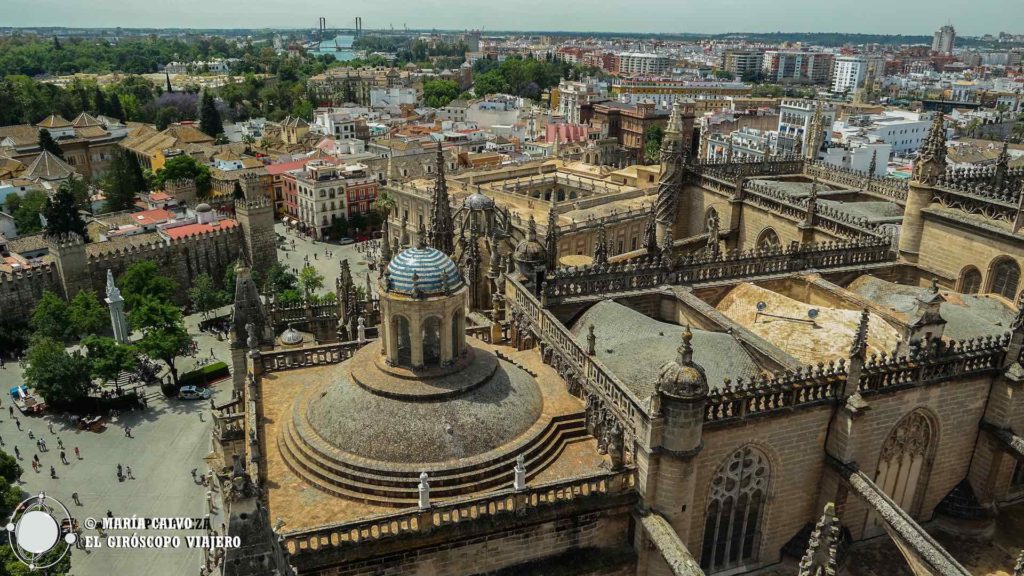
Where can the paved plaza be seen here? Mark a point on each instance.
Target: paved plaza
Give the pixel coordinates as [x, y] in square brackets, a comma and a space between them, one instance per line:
[169, 440]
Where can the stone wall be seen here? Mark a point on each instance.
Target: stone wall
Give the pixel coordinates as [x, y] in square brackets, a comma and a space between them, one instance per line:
[506, 547]
[20, 291]
[949, 245]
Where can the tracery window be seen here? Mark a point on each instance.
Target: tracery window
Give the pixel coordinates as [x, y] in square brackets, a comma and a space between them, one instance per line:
[768, 240]
[735, 510]
[902, 469]
[970, 280]
[1005, 278]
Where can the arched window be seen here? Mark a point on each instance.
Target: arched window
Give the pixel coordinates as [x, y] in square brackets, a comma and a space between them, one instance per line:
[768, 240]
[1004, 277]
[432, 341]
[403, 344]
[970, 280]
[735, 510]
[902, 465]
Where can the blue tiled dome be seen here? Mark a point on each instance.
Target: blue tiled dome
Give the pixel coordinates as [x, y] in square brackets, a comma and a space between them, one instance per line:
[431, 268]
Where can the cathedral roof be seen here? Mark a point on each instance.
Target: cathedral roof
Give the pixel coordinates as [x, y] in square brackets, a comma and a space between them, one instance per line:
[427, 270]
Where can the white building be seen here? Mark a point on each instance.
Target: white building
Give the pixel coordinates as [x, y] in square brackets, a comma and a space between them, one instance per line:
[339, 124]
[574, 93]
[848, 73]
[857, 156]
[498, 109]
[642, 64]
[904, 131]
[381, 97]
[795, 122]
[944, 40]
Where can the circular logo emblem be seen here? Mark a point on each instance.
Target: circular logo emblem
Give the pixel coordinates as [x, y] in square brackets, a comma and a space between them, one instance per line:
[41, 531]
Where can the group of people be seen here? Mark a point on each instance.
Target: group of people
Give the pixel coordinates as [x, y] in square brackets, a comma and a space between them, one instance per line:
[41, 447]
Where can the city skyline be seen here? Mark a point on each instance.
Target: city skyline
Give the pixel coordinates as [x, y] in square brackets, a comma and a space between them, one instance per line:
[913, 17]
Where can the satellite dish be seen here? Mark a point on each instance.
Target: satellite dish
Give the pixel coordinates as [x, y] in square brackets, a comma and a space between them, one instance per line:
[761, 306]
[812, 313]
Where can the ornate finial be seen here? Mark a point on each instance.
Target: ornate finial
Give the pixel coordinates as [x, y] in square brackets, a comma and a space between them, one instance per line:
[935, 285]
[873, 166]
[686, 349]
[712, 246]
[404, 238]
[531, 229]
[591, 340]
[667, 243]
[651, 233]
[931, 160]
[1002, 166]
[859, 347]
[113, 292]
[1018, 320]
[551, 238]
[601, 247]
[675, 120]
[822, 548]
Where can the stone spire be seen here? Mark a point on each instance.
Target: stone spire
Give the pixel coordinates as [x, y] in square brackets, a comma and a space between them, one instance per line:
[683, 378]
[814, 133]
[651, 234]
[712, 245]
[601, 247]
[404, 237]
[874, 164]
[551, 238]
[931, 160]
[385, 245]
[116, 304]
[421, 237]
[1002, 167]
[822, 548]
[812, 203]
[671, 181]
[442, 227]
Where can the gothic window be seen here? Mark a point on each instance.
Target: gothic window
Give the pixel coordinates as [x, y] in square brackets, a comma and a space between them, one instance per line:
[970, 280]
[432, 341]
[901, 470]
[1005, 276]
[735, 510]
[768, 240]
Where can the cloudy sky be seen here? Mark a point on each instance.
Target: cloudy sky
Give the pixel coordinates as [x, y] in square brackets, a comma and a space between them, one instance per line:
[701, 16]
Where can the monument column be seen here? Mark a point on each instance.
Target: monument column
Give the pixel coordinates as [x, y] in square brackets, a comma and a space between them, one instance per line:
[116, 304]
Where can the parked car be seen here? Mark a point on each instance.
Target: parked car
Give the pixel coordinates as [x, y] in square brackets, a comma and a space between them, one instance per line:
[193, 393]
[345, 240]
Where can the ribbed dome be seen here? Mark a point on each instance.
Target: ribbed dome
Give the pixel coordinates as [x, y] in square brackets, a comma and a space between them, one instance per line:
[203, 207]
[530, 250]
[427, 270]
[478, 201]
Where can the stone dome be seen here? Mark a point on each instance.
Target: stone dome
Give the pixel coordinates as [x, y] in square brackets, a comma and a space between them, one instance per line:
[356, 419]
[681, 378]
[203, 207]
[478, 201]
[426, 270]
[291, 336]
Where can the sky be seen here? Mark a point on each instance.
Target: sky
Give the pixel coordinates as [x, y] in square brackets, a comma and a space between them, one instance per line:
[697, 16]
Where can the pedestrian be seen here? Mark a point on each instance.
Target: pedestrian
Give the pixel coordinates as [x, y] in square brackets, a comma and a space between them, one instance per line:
[18, 422]
[119, 469]
[109, 513]
[42, 444]
[51, 427]
[128, 472]
[10, 410]
[74, 496]
[35, 458]
[60, 443]
[53, 472]
[77, 453]
[17, 454]
[63, 457]
[128, 431]
[34, 469]
[193, 473]
[31, 436]
[201, 417]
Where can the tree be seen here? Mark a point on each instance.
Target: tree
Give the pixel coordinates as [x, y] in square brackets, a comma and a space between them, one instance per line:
[438, 93]
[310, 280]
[108, 358]
[724, 75]
[238, 193]
[123, 181]
[205, 296]
[50, 318]
[26, 211]
[490, 83]
[86, 315]
[59, 375]
[47, 143]
[185, 167]
[209, 118]
[165, 117]
[163, 332]
[277, 280]
[142, 281]
[339, 227]
[61, 213]
[652, 142]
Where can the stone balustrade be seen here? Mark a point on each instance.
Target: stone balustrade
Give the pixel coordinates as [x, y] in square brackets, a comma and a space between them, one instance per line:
[507, 502]
[310, 356]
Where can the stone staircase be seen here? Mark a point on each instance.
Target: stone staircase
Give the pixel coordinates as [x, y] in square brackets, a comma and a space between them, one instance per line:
[349, 476]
